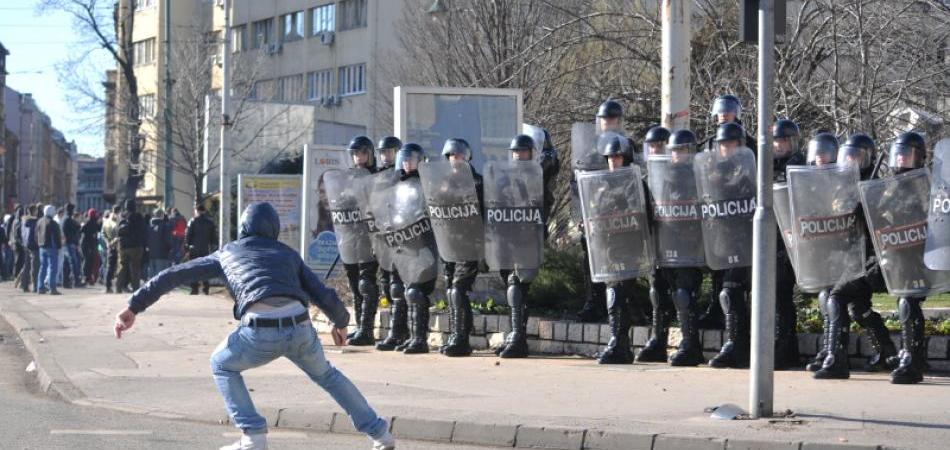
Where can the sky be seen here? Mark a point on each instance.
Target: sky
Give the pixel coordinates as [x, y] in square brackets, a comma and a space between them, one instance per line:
[37, 42]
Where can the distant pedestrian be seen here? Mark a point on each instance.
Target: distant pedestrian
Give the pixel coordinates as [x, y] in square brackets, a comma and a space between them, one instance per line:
[31, 263]
[199, 238]
[71, 231]
[15, 239]
[50, 240]
[178, 226]
[111, 238]
[159, 243]
[272, 289]
[89, 243]
[132, 232]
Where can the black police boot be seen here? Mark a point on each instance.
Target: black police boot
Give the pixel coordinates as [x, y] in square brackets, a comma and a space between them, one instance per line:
[729, 355]
[690, 352]
[420, 328]
[517, 342]
[618, 348]
[786, 343]
[655, 348]
[819, 360]
[398, 326]
[594, 309]
[451, 315]
[366, 335]
[713, 318]
[358, 312]
[463, 321]
[836, 366]
[410, 326]
[880, 340]
[914, 352]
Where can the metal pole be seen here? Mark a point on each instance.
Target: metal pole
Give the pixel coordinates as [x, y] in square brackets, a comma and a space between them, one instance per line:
[169, 186]
[224, 161]
[761, 383]
[206, 146]
[675, 64]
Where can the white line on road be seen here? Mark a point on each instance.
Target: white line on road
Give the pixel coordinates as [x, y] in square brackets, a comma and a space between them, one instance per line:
[103, 432]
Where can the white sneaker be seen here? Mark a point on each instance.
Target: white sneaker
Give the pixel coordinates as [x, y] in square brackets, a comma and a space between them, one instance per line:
[249, 442]
[385, 442]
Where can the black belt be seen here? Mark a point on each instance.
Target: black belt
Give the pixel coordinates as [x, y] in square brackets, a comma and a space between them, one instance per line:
[282, 322]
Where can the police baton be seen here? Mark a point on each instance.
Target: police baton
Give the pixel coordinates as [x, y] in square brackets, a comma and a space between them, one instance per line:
[332, 266]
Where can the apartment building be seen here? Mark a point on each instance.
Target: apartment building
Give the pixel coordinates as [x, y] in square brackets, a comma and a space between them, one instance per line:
[321, 58]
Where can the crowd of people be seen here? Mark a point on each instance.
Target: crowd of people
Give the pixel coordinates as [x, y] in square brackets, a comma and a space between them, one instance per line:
[44, 247]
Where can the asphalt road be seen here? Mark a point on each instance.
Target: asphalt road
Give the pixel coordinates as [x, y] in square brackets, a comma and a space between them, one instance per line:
[32, 420]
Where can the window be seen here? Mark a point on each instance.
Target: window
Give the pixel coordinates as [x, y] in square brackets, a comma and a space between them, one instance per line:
[319, 84]
[146, 106]
[143, 4]
[263, 32]
[293, 26]
[352, 14]
[239, 38]
[143, 52]
[352, 79]
[322, 18]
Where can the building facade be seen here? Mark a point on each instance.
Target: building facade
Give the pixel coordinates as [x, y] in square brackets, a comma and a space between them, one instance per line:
[325, 55]
[90, 181]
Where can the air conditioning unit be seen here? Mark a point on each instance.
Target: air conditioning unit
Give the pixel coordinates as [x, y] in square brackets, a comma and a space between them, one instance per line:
[327, 37]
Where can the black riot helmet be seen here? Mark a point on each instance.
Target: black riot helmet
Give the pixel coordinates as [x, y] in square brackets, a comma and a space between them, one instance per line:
[785, 138]
[364, 145]
[386, 150]
[610, 116]
[612, 144]
[908, 151]
[523, 142]
[655, 140]
[681, 145]
[730, 131]
[727, 103]
[457, 146]
[823, 146]
[858, 149]
[409, 152]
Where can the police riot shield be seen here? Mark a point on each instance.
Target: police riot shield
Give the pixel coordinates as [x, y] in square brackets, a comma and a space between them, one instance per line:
[829, 237]
[352, 235]
[584, 154]
[454, 209]
[618, 236]
[937, 248]
[676, 212]
[514, 228]
[400, 215]
[726, 182]
[783, 219]
[537, 135]
[896, 211]
[373, 185]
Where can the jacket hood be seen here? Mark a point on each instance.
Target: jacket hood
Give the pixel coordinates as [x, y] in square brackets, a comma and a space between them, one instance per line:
[260, 219]
[49, 210]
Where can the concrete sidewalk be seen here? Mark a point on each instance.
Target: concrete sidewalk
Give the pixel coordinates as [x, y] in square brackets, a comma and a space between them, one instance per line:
[161, 368]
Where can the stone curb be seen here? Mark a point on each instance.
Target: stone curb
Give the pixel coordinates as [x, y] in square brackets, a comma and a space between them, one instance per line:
[54, 382]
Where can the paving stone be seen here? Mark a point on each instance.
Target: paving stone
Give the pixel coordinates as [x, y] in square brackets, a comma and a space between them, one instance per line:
[712, 339]
[738, 444]
[549, 437]
[424, 429]
[668, 442]
[534, 325]
[611, 440]
[592, 333]
[560, 331]
[485, 434]
[575, 332]
[937, 347]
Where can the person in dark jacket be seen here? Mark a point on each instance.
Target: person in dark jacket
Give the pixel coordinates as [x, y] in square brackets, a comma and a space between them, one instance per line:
[159, 243]
[199, 237]
[71, 230]
[31, 250]
[3, 248]
[89, 243]
[132, 232]
[15, 240]
[50, 240]
[272, 288]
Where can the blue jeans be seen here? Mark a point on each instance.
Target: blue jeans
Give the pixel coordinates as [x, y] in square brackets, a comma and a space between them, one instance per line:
[157, 265]
[248, 347]
[49, 265]
[75, 263]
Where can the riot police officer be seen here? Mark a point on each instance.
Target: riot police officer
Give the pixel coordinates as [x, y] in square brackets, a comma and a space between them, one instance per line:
[786, 152]
[654, 143]
[362, 276]
[735, 281]
[391, 283]
[460, 276]
[851, 299]
[909, 152]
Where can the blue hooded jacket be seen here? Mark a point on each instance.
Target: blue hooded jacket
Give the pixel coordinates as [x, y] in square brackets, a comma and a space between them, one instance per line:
[255, 267]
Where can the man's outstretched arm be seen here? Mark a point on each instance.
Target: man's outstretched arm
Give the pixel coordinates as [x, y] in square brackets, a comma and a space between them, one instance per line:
[193, 271]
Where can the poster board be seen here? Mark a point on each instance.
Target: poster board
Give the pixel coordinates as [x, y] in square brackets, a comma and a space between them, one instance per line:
[317, 240]
[283, 192]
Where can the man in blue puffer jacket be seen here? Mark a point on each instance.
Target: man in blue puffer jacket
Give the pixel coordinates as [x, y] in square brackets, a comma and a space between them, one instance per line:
[271, 287]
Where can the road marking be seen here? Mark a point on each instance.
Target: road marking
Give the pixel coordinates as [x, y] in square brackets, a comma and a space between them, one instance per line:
[103, 432]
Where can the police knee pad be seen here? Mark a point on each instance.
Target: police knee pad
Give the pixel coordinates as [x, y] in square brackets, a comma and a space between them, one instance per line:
[823, 301]
[682, 298]
[416, 297]
[397, 290]
[611, 295]
[654, 298]
[513, 279]
[909, 308]
[367, 286]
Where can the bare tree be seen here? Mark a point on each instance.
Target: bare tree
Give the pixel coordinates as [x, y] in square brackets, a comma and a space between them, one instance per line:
[106, 27]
